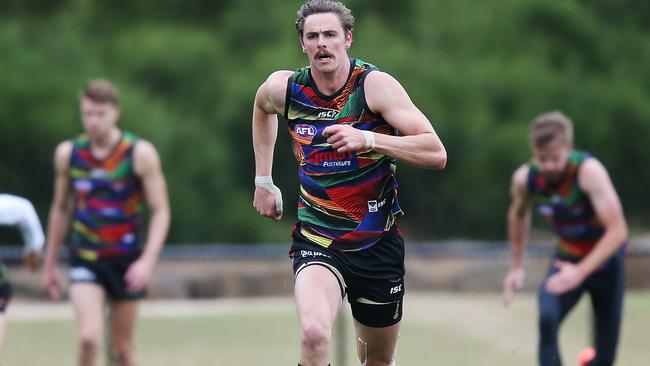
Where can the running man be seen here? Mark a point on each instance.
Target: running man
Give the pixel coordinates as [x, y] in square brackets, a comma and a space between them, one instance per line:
[343, 116]
[574, 192]
[102, 180]
[19, 212]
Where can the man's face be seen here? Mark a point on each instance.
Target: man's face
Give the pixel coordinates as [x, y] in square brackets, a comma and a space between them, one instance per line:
[98, 118]
[325, 42]
[552, 159]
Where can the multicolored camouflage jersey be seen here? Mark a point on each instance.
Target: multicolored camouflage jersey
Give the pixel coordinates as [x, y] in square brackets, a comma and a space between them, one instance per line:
[347, 201]
[568, 208]
[108, 201]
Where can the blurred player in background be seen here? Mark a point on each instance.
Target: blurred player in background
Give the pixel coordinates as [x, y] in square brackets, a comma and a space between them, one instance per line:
[574, 192]
[19, 212]
[349, 123]
[103, 179]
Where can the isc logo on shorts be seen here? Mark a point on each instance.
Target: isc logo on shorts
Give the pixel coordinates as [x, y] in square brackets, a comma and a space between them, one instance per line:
[396, 289]
[81, 274]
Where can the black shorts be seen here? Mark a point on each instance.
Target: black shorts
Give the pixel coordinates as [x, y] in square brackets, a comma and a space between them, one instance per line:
[5, 289]
[372, 279]
[107, 273]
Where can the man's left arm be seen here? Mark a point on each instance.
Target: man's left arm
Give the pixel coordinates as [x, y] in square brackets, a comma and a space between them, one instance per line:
[418, 143]
[594, 180]
[147, 166]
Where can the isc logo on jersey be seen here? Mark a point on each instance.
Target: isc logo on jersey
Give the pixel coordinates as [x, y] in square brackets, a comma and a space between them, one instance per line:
[327, 114]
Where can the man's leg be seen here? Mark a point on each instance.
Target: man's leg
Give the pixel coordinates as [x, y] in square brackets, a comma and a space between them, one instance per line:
[606, 289]
[123, 321]
[552, 311]
[376, 346]
[376, 291]
[318, 301]
[88, 300]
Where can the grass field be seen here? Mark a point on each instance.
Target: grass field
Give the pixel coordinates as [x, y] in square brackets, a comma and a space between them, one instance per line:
[438, 329]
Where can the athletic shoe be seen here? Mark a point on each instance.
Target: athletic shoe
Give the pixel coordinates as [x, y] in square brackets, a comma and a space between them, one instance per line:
[586, 355]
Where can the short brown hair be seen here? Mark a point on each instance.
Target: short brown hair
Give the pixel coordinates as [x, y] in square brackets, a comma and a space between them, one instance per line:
[324, 6]
[100, 91]
[549, 127]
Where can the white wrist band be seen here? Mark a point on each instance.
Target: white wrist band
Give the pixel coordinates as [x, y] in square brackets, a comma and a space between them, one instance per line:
[370, 139]
[266, 179]
[266, 183]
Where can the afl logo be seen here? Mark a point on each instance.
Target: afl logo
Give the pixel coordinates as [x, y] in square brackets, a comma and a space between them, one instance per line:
[304, 133]
[307, 131]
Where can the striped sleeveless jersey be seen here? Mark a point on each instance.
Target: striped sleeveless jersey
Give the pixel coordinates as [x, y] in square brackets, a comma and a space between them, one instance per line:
[568, 208]
[347, 201]
[108, 201]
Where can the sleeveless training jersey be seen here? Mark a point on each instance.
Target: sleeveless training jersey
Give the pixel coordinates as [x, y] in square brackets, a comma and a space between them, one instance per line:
[108, 201]
[568, 208]
[347, 201]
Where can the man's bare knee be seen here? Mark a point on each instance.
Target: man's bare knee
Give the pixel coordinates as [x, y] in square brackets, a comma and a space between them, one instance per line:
[122, 350]
[123, 356]
[89, 344]
[315, 336]
[89, 340]
[367, 358]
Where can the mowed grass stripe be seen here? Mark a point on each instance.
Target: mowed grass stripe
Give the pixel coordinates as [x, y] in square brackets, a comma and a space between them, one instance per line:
[438, 329]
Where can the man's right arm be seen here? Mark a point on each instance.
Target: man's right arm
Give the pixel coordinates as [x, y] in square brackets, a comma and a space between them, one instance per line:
[269, 102]
[519, 216]
[59, 219]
